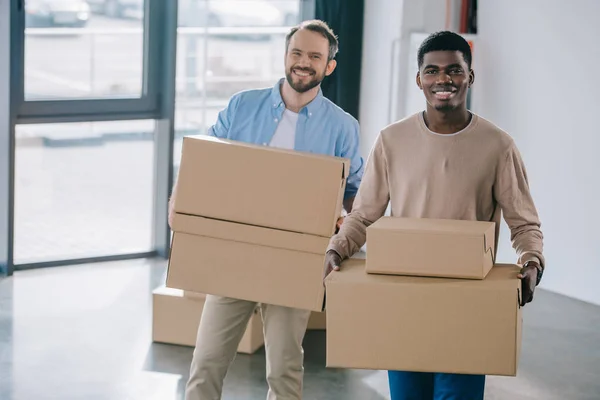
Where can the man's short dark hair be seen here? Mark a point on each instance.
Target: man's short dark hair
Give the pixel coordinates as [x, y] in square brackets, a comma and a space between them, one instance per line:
[445, 41]
[317, 26]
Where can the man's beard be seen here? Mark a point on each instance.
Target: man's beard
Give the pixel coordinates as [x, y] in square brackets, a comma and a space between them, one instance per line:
[304, 87]
[446, 107]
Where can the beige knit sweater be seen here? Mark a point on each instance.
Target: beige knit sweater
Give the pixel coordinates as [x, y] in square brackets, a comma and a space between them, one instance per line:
[473, 174]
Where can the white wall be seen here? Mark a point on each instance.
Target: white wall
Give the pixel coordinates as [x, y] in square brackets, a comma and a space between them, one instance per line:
[539, 80]
[381, 26]
[387, 21]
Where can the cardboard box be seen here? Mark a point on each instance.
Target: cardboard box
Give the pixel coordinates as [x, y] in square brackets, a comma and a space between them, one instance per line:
[176, 315]
[385, 322]
[431, 247]
[247, 262]
[261, 186]
[317, 321]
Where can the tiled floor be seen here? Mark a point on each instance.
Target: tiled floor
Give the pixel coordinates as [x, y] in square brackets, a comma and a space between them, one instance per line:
[84, 332]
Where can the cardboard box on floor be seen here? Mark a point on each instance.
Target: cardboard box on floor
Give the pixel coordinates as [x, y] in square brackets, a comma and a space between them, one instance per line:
[260, 185]
[254, 222]
[176, 315]
[385, 322]
[431, 247]
[317, 321]
[247, 262]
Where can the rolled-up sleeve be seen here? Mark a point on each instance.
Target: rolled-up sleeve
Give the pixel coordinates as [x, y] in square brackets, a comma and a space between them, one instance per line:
[351, 151]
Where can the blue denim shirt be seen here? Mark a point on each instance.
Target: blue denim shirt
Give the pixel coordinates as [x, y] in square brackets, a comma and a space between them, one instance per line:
[252, 117]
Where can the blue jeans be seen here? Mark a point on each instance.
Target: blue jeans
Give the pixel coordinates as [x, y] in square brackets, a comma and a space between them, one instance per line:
[434, 386]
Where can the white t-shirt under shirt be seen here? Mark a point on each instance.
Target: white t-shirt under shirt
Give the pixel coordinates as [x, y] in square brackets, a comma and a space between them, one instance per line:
[285, 134]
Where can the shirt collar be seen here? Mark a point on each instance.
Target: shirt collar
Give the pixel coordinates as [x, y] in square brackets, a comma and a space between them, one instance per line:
[309, 110]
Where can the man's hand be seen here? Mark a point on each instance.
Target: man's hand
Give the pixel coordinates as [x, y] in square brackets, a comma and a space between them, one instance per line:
[529, 278]
[171, 213]
[332, 263]
[338, 224]
[170, 219]
[171, 206]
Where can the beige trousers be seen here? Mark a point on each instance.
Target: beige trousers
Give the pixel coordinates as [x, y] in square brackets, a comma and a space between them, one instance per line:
[222, 326]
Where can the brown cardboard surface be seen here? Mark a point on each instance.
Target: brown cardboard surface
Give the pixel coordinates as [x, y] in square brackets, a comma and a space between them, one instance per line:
[176, 315]
[317, 321]
[424, 324]
[261, 186]
[193, 295]
[236, 232]
[247, 271]
[431, 247]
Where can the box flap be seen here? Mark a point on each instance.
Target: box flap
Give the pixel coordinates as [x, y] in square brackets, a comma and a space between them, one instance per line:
[432, 226]
[251, 146]
[518, 334]
[490, 241]
[249, 234]
[353, 271]
[167, 291]
[261, 186]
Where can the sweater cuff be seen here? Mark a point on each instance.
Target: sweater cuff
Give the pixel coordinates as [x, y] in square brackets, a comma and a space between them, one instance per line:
[532, 257]
[338, 247]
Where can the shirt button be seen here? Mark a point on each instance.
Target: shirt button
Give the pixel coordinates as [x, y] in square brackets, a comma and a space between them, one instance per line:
[265, 143]
[310, 114]
[275, 120]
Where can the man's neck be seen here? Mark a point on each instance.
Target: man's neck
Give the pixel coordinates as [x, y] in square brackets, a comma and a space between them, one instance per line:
[447, 122]
[295, 101]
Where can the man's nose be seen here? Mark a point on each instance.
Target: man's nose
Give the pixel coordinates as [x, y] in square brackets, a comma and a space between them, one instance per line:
[304, 61]
[443, 78]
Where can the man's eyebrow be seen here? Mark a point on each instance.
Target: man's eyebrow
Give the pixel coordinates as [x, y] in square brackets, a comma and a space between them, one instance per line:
[455, 65]
[317, 53]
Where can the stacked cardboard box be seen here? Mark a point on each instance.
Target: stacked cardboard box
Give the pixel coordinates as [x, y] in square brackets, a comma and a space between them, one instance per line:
[176, 315]
[408, 307]
[253, 222]
[431, 247]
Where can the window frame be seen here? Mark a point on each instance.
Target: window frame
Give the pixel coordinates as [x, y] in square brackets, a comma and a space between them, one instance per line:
[147, 106]
[156, 103]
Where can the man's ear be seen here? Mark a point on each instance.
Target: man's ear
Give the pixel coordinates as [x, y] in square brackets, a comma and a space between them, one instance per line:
[330, 67]
[471, 77]
[419, 84]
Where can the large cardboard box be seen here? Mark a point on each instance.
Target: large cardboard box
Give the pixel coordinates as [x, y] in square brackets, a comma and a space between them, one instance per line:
[176, 315]
[385, 322]
[260, 185]
[431, 247]
[247, 262]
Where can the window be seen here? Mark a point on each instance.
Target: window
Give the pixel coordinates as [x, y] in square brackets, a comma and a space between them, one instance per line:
[84, 49]
[83, 190]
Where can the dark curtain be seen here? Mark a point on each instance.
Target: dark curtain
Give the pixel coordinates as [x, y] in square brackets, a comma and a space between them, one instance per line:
[345, 17]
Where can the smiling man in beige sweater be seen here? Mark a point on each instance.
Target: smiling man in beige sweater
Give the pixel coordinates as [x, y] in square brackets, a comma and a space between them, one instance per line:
[448, 163]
